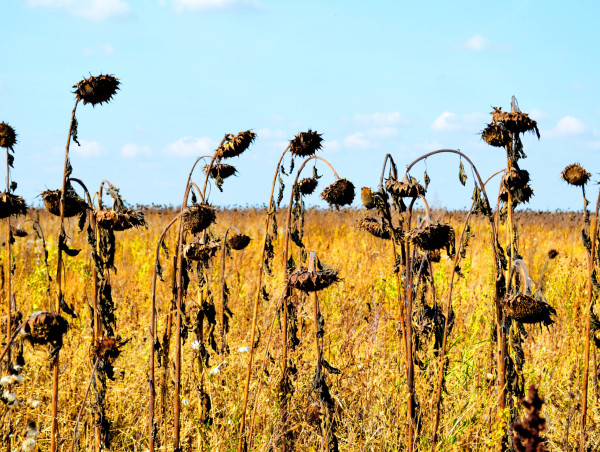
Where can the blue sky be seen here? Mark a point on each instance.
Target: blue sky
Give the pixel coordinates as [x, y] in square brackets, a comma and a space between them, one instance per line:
[372, 77]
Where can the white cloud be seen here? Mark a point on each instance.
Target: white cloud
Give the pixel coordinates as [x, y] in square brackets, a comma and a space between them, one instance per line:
[451, 122]
[189, 146]
[477, 43]
[213, 5]
[537, 115]
[331, 146]
[132, 150]
[101, 50]
[87, 9]
[446, 122]
[88, 148]
[357, 140]
[380, 119]
[567, 126]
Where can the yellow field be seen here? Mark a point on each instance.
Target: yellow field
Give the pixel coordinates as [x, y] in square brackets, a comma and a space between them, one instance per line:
[362, 339]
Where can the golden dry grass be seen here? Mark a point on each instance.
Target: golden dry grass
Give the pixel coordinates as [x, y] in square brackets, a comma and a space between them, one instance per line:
[361, 339]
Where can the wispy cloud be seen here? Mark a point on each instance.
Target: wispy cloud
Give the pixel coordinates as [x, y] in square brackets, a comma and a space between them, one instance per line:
[101, 50]
[88, 9]
[452, 122]
[358, 141]
[379, 119]
[215, 5]
[89, 149]
[567, 126]
[479, 43]
[132, 150]
[189, 146]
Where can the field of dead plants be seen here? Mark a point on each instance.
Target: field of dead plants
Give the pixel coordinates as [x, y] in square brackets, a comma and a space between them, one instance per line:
[391, 326]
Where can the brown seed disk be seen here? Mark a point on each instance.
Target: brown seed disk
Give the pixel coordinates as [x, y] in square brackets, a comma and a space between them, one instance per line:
[496, 135]
[108, 349]
[309, 281]
[238, 241]
[515, 122]
[373, 227]
[119, 221]
[44, 328]
[515, 179]
[307, 185]
[74, 204]
[306, 144]
[576, 175]
[197, 251]
[235, 145]
[432, 237]
[404, 189]
[222, 170]
[97, 89]
[198, 217]
[520, 195]
[526, 309]
[340, 193]
[8, 137]
[367, 197]
[11, 205]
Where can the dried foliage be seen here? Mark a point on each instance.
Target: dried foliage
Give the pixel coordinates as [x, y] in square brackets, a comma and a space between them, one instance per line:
[527, 436]
[97, 89]
[108, 349]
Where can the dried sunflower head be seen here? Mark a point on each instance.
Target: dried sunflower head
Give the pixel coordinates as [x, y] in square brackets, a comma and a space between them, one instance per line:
[198, 217]
[11, 205]
[373, 227]
[18, 232]
[527, 309]
[576, 175]
[316, 277]
[404, 188]
[367, 197]
[432, 237]
[119, 221]
[306, 144]
[97, 89]
[199, 251]
[234, 145]
[238, 241]
[74, 204]
[515, 179]
[108, 349]
[220, 170]
[516, 122]
[44, 328]
[519, 195]
[496, 135]
[307, 185]
[340, 193]
[8, 137]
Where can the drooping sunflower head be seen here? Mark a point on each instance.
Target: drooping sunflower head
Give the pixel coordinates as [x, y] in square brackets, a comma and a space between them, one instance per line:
[340, 193]
[576, 175]
[306, 144]
[234, 145]
[97, 89]
[8, 137]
